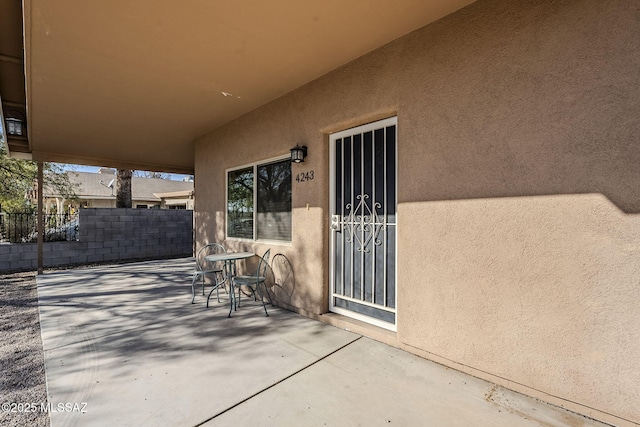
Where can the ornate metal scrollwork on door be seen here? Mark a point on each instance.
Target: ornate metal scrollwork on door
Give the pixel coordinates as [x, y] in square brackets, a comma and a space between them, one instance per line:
[363, 225]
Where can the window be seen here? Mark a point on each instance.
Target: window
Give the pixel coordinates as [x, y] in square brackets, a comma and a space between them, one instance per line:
[259, 201]
[274, 201]
[240, 203]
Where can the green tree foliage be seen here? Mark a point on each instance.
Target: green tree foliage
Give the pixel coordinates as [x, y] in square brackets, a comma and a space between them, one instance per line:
[18, 178]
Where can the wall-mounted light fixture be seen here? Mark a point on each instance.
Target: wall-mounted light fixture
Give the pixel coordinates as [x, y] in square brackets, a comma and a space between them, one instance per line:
[298, 154]
[15, 123]
[14, 126]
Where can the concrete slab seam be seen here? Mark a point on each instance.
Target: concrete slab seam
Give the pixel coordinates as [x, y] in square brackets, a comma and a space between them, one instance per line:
[278, 382]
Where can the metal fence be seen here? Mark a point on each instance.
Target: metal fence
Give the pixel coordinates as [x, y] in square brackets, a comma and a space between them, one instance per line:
[22, 227]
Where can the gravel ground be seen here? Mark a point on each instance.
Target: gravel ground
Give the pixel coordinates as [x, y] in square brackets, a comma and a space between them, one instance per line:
[22, 380]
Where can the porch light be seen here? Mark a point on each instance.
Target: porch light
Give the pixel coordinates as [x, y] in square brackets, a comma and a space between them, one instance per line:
[14, 122]
[298, 154]
[15, 127]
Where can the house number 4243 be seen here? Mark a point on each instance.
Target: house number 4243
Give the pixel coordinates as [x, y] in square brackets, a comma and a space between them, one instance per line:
[305, 176]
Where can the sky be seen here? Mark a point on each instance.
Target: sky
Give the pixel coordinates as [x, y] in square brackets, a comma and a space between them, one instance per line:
[94, 169]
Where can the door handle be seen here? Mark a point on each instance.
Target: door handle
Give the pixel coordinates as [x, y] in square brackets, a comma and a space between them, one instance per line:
[336, 223]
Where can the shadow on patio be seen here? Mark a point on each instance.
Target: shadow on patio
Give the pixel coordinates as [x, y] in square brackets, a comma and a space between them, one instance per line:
[126, 341]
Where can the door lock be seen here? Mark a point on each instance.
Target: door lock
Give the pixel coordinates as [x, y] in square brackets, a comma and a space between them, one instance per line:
[336, 223]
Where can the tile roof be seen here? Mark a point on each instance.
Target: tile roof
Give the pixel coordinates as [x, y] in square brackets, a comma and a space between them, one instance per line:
[90, 186]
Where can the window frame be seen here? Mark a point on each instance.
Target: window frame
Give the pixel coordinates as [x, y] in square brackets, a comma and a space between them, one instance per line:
[254, 231]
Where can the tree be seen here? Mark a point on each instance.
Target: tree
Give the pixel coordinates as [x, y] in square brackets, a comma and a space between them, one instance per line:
[123, 189]
[150, 174]
[18, 178]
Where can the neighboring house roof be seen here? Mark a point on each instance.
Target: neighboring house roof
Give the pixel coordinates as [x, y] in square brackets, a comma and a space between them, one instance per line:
[94, 186]
[174, 194]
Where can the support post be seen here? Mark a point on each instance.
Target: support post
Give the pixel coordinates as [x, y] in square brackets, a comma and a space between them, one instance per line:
[40, 218]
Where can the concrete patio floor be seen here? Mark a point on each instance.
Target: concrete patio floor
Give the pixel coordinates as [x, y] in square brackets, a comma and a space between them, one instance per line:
[125, 347]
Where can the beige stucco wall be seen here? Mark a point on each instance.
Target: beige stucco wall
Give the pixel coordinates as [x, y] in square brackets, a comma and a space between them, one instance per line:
[518, 190]
[102, 203]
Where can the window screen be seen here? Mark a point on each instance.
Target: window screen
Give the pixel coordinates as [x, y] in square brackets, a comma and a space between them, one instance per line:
[274, 201]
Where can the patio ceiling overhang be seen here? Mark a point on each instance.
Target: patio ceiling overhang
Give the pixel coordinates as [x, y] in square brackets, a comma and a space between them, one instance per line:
[132, 84]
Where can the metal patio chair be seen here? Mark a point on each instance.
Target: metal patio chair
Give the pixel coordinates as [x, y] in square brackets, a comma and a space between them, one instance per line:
[254, 281]
[206, 268]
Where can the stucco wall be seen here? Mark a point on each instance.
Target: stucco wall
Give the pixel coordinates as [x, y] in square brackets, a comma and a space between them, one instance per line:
[518, 191]
[98, 203]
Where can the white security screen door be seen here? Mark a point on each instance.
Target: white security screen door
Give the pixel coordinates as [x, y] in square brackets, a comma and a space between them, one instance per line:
[363, 223]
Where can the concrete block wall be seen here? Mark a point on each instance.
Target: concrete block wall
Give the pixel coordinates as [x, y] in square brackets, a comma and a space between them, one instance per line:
[110, 235]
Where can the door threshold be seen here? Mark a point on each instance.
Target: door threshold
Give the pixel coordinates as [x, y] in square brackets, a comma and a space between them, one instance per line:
[359, 327]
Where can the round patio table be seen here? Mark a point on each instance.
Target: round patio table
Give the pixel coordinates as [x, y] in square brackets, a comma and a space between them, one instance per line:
[229, 259]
